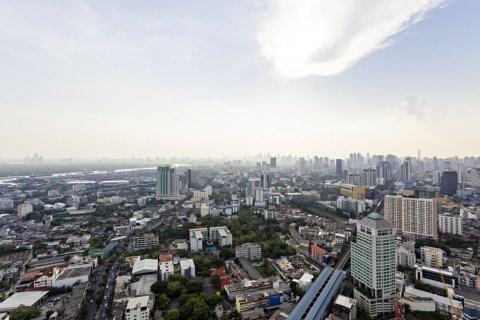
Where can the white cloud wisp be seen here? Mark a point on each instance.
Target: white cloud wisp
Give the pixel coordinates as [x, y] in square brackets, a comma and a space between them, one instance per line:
[324, 37]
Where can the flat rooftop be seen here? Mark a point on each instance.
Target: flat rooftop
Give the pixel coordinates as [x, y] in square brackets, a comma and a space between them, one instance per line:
[74, 272]
[28, 299]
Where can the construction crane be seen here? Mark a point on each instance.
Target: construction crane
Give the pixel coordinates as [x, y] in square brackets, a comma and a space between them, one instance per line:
[457, 313]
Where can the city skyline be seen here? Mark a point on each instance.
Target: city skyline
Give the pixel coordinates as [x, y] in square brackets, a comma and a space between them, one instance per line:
[91, 80]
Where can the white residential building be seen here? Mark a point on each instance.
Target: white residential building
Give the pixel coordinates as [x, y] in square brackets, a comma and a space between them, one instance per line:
[373, 265]
[24, 209]
[414, 218]
[138, 308]
[450, 224]
[220, 236]
[432, 257]
[405, 254]
[249, 251]
[166, 270]
[187, 268]
[73, 274]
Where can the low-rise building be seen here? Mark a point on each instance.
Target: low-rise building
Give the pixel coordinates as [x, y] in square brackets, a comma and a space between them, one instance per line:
[166, 270]
[72, 275]
[145, 241]
[28, 299]
[405, 254]
[435, 277]
[138, 308]
[317, 253]
[432, 257]
[249, 251]
[187, 268]
[220, 236]
[442, 304]
[24, 209]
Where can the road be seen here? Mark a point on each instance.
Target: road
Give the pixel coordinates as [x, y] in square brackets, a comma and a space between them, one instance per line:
[105, 306]
[91, 306]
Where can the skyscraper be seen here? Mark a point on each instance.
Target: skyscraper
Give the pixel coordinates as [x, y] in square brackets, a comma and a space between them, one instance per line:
[369, 177]
[167, 187]
[384, 172]
[339, 167]
[273, 163]
[449, 183]
[413, 218]
[406, 170]
[373, 265]
[265, 181]
[302, 164]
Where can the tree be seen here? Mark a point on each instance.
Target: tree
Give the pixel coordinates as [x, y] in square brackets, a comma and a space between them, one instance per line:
[215, 281]
[194, 287]
[172, 315]
[226, 253]
[159, 287]
[195, 308]
[5, 285]
[24, 313]
[163, 302]
[174, 288]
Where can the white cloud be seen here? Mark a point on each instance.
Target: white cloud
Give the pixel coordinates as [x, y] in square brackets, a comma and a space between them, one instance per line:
[325, 37]
[415, 106]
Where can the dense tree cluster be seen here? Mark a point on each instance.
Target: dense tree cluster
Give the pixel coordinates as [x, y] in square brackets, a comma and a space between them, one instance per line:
[193, 303]
[24, 313]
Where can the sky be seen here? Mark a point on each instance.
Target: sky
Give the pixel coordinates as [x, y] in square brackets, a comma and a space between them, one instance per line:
[94, 79]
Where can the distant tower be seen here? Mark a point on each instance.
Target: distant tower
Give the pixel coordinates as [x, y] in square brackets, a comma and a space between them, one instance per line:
[265, 181]
[167, 185]
[384, 172]
[406, 170]
[373, 265]
[369, 177]
[339, 167]
[449, 183]
[273, 163]
[301, 166]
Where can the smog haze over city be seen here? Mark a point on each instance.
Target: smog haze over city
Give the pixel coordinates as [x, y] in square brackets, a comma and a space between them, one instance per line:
[255, 159]
[90, 79]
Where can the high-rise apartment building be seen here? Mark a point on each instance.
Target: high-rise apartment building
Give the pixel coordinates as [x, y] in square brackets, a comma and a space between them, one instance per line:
[413, 218]
[339, 167]
[302, 164]
[384, 172]
[168, 185]
[449, 183]
[265, 181]
[369, 177]
[406, 170]
[450, 224]
[273, 163]
[253, 184]
[374, 266]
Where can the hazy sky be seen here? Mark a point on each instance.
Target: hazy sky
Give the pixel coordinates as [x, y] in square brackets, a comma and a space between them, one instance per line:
[212, 78]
